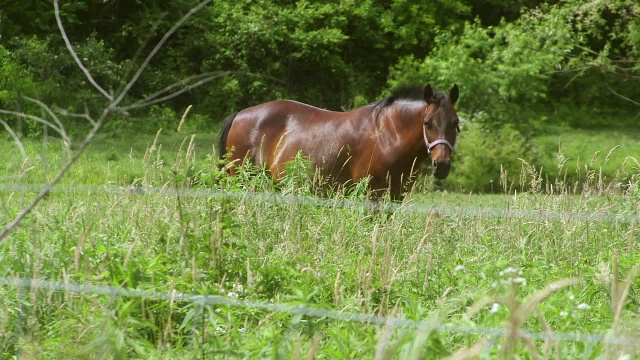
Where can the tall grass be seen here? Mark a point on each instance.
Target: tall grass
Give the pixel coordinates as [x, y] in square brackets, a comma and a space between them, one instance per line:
[470, 269]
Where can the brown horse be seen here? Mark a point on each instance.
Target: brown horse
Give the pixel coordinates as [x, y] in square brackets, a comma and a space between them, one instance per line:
[385, 140]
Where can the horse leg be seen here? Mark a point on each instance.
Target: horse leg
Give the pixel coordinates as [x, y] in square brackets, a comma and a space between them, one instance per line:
[377, 204]
[396, 193]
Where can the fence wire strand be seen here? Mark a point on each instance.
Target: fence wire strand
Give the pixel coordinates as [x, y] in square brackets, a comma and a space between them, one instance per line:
[406, 207]
[219, 300]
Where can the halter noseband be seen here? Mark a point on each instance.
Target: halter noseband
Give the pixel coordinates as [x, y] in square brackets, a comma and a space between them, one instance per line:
[435, 143]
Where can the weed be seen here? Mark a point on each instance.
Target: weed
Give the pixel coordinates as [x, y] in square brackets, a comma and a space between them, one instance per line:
[245, 237]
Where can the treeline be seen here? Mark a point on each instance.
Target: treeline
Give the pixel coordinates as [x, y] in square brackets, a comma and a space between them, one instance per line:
[520, 65]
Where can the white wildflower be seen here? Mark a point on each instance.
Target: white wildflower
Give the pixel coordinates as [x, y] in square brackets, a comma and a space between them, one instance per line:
[520, 280]
[583, 306]
[506, 271]
[494, 308]
[458, 268]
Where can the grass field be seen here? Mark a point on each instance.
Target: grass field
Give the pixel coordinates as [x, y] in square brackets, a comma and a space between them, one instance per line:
[528, 274]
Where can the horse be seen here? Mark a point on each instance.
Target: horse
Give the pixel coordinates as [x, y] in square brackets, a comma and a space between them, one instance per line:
[385, 141]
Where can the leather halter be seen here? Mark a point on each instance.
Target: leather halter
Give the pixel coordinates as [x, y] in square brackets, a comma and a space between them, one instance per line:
[431, 145]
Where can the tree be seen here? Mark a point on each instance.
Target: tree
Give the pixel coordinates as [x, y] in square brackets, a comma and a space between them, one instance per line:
[114, 104]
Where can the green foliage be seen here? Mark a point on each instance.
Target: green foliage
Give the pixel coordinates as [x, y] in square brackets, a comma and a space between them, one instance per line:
[275, 48]
[502, 71]
[574, 156]
[15, 79]
[298, 176]
[596, 73]
[482, 156]
[523, 71]
[468, 269]
[516, 63]
[537, 68]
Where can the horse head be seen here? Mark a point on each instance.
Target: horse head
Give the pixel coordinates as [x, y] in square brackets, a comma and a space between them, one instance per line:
[440, 128]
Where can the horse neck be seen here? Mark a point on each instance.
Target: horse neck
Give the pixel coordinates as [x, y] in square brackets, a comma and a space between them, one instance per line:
[403, 121]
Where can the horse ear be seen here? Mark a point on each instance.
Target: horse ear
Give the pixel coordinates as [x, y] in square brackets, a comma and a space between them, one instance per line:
[428, 93]
[454, 93]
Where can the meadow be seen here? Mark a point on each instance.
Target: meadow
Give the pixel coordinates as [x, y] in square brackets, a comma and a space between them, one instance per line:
[539, 271]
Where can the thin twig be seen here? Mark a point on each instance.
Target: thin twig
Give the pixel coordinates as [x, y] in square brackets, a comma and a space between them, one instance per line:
[565, 70]
[47, 109]
[144, 44]
[16, 138]
[624, 97]
[75, 56]
[151, 101]
[155, 50]
[47, 188]
[40, 120]
[77, 115]
[182, 82]
[111, 108]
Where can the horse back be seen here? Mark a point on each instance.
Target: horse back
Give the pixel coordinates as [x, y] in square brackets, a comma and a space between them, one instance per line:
[272, 133]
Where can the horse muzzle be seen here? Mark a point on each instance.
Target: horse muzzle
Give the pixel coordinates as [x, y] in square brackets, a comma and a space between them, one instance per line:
[440, 163]
[441, 168]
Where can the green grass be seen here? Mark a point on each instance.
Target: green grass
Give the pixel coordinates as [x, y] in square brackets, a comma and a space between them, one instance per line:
[614, 153]
[113, 160]
[448, 268]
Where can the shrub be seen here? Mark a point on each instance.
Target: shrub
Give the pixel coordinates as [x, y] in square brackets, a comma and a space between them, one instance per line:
[501, 71]
[482, 155]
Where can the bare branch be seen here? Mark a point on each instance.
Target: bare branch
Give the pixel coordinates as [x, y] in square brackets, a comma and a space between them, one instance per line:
[85, 115]
[601, 62]
[152, 99]
[48, 110]
[572, 79]
[85, 143]
[155, 50]
[142, 46]
[181, 83]
[75, 56]
[111, 108]
[15, 137]
[624, 97]
[566, 70]
[40, 120]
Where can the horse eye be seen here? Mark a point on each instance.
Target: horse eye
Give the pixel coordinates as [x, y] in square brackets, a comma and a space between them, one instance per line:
[428, 124]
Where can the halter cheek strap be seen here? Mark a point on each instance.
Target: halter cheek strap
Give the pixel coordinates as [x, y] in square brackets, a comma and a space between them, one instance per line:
[431, 145]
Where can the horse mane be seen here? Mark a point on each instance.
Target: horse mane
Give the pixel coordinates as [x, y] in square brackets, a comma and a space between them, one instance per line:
[415, 92]
[410, 92]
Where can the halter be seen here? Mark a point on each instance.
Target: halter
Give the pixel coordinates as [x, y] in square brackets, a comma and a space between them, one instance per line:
[435, 143]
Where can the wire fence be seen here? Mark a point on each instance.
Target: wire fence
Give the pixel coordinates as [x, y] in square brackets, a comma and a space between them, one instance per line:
[298, 309]
[218, 300]
[407, 206]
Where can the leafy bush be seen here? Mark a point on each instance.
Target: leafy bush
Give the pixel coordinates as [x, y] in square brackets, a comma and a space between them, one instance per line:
[501, 71]
[573, 54]
[483, 155]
